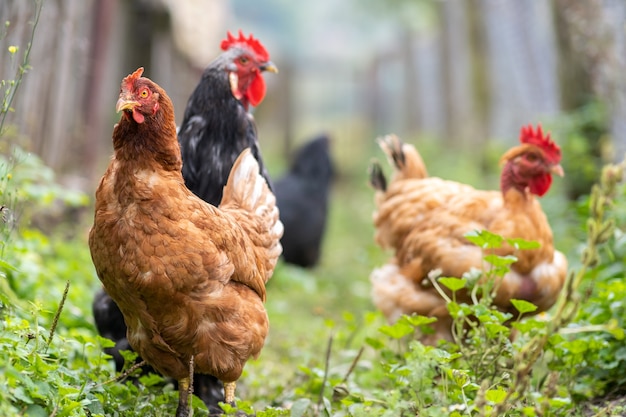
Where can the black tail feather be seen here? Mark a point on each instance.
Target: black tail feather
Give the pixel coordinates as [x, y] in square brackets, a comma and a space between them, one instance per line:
[377, 177]
[393, 145]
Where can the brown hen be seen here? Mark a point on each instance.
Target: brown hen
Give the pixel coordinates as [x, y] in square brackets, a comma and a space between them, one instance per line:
[188, 277]
[424, 220]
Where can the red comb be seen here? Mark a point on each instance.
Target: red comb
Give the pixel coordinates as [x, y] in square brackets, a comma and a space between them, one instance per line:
[250, 42]
[531, 136]
[129, 80]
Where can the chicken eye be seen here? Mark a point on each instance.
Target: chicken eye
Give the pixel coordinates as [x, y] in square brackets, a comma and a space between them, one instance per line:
[531, 157]
[243, 60]
[144, 93]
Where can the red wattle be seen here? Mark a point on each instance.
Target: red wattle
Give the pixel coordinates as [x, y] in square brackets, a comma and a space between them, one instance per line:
[139, 118]
[540, 185]
[256, 91]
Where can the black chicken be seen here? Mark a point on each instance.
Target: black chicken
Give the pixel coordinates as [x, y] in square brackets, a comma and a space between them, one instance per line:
[302, 197]
[216, 128]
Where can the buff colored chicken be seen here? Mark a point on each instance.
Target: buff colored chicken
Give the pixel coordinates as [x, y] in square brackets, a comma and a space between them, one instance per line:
[188, 277]
[423, 220]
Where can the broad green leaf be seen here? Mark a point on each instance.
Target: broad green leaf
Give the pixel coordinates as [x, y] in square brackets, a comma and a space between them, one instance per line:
[499, 271]
[151, 379]
[453, 284]
[576, 346]
[104, 342]
[347, 402]
[41, 366]
[417, 320]
[617, 333]
[523, 306]
[484, 239]
[306, 370]
[21, 395]
[488, 410]
[495, 396]
[328, 409]
[494, 329]
[7, 266]
[129, 357]
[41, 391]
[35, 410]
[397, 330]
[454, 309]
[471, 387]
[529, 411]
[375, 343]
[228, 409]
[519, 243]
[371, 317]
[613, 328]
[496, 260]
[299, 407]
[444, 356]
[348, 316]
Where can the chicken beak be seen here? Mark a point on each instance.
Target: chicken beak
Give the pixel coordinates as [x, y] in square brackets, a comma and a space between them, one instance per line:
[557, 170]
[270, 67]
[125, 103]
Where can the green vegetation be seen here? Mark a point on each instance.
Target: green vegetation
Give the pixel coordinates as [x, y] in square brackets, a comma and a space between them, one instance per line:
[329, 353]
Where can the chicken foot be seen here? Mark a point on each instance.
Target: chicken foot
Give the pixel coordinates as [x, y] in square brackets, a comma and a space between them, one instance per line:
[185, 390]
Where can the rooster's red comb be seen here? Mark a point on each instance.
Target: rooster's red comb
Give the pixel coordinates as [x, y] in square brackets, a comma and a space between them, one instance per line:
[536, 137]
[129, 80]
[250, 42]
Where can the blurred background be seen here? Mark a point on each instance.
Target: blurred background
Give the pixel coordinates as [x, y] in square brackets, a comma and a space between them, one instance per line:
[465, 73]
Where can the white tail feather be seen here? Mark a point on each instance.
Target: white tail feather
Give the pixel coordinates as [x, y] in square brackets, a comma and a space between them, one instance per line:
[247, 190]
[244, 180]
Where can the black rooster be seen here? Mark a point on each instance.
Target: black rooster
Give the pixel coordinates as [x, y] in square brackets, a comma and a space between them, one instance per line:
[216, 128]
[302, 197]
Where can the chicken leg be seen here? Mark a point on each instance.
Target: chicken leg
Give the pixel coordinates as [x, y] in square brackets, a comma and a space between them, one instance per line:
[183, 398]
[185, 387]
[229, 392]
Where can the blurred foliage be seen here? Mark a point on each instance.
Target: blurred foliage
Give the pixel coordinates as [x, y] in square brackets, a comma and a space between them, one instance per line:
[11, 86]
[585, 145]
[604, 292]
